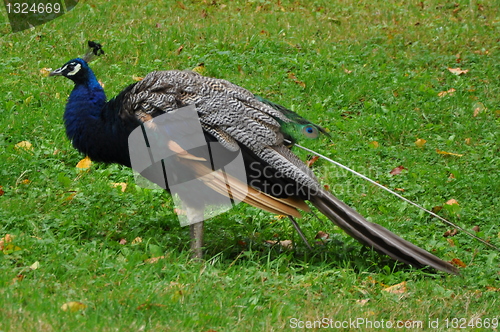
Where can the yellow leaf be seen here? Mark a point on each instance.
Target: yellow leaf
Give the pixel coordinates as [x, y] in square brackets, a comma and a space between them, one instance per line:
[137, 240]
[24, 145]
[449, 153]
[458, 71]
[374, 144]
[45, 71]
[35, 265]
[122, 185]
[448, 92]
[396, 289]
[73, 306]
[420, 142]
[200, 69]
[84, 163]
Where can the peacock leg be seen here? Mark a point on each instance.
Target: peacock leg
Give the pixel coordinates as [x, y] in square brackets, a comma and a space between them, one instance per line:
[196, 232]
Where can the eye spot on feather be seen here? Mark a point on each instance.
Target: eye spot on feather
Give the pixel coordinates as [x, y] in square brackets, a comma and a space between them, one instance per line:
[310, 132]
[75, 70]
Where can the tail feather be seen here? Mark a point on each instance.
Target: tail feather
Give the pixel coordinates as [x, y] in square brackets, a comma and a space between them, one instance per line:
[376, 236]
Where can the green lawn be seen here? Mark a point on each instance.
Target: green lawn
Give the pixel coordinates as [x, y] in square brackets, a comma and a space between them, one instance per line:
[376, 74]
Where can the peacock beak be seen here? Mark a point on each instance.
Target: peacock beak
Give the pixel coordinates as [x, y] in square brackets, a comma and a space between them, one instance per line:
[57, 72]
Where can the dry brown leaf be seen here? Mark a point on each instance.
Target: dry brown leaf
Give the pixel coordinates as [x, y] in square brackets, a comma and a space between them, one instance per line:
[397, 170]
[458, 71]
[458, 262]
[1, 191]
[179, 50]
[154, 259]
[287, 244]
[322, 235]
[296, 80]
[448, 92]
[492, 289]
[396, 289]
[123, 241]
[374, 144]
[84, 163]
[478, 108]
[137, 78]
[311, 161]
[452, 202]
[420, 142]
[451, 242]
[449, 153]
[476, 229]
[73, 306]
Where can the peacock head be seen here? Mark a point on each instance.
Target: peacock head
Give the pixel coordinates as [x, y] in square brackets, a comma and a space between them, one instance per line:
[76, 70]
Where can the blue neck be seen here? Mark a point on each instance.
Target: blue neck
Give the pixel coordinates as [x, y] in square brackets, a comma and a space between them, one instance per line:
[94, 126]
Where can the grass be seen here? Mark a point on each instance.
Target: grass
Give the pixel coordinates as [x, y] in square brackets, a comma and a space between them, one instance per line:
[370, 72]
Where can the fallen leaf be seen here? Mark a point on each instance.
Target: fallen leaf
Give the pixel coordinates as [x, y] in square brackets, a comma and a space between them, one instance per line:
[100, 83]
[468, 140]
[35, 265]
[179, 212]
[452, 202]
[200, 69]
[436, 209]
[347, 71]
[296, 80]
[458, 71]
[476, 229]
[311, 161]
[150, 305]
[287, 244]
[137, 78]
[25, 181]
[137, 240]
[24, 145]
[1, 191]
[6, 239]
[279, 216]
[399, 189]
[458, 262]
[478, 108]
[73, 306]
[122, 185]
[45, 71]
[123, 241]
[18, 278]
[420, 142]
[179, 50]
[492, 289]
[396, 289]
[397, 170]
[448, 92]
[84, 163]
[154, 259]
[374, 144]
[362, 302]
[448, 153]
[450, 232]
[451, 242]
[322, 235]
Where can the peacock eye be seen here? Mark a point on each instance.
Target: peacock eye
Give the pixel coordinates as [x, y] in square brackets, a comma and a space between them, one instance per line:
[310, 132]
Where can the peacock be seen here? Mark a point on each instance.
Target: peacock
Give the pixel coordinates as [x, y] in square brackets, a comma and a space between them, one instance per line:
[240, 124]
